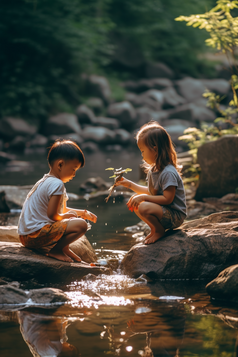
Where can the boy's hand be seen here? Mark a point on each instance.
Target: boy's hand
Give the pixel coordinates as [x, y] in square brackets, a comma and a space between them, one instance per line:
[70, 214]
[90, 216]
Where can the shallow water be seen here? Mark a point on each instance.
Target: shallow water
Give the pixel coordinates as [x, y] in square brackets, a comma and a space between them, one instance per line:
[114, 315]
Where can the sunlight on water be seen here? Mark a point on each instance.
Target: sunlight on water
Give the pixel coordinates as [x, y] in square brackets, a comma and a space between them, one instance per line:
[101, 290]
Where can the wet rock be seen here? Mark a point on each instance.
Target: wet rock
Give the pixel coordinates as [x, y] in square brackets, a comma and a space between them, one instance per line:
[89, 147]
[3, 204]
[175, 128]
[99, 87]
[109, 123]
[84, 250]
[17, 144]
[219, 167]
[85, 115]
[158, 70]
[4, 157]
[12, 295]
[193, 112]
[99, 135]
[15, 195]
[217, 85]
[47, 296]
[198, 249]
[38, 141]
[22, 264]
[152, 99]
[122, 137]
[9, 234]
[124, 112]
[11, 127]
[146, 84]
[94, 184]
[63, 123]
[197, 209]
[171, 98]
[96, 104]
[225, 285]
[190, 88]
[90, 277]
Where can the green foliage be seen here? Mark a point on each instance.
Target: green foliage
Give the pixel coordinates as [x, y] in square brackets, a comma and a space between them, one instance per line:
[47, 44]
[222, 27]
[150, 25]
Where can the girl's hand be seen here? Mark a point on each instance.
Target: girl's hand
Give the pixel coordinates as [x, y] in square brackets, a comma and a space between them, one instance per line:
[123, 182]
[90, 216]
[135, 201]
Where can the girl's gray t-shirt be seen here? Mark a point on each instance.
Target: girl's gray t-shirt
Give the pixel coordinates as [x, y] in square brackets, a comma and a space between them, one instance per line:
[158, 181]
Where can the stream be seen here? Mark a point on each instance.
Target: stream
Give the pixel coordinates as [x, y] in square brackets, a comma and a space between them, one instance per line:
[113, 315]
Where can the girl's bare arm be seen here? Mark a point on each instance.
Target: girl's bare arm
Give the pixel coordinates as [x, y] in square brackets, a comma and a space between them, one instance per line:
[165, 199]
[139, 189]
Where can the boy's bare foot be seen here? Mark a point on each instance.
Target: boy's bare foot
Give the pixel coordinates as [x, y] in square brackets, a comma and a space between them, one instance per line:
[59, 255]
[71, 254]
[152, 238]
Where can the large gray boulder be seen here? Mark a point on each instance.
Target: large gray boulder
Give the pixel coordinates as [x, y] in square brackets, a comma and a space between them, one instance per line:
[99, 135]
[217, 85]
[195, 112]
[99, 86]
[85, 115]
[190, 88]
[11, 127]
[198, 249]
[19, 263]
[124, 112]
[63, 123]
[219, 167]
[225, 285]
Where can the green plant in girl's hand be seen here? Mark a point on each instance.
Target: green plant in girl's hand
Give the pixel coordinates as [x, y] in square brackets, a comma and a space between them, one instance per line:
[117, 175]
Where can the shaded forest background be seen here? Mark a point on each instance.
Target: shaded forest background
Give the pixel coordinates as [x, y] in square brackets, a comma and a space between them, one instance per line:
[47, 45]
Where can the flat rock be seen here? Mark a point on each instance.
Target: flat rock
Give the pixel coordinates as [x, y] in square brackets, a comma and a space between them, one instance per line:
[21, 264]
[199, 249]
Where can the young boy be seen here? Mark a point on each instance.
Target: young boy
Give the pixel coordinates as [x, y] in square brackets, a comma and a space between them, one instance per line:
[46, 224]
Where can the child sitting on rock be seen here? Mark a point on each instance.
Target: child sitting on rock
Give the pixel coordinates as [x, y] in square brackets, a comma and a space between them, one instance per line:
[46, 224]
[162, 204]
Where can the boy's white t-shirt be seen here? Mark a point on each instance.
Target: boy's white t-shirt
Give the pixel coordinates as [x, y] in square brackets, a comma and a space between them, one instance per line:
[34, 211]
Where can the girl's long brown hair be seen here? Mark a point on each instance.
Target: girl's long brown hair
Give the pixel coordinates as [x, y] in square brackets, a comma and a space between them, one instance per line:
[156, 137]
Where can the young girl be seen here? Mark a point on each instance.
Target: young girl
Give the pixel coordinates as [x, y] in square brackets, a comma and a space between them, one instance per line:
[162, 204]
[46, 224]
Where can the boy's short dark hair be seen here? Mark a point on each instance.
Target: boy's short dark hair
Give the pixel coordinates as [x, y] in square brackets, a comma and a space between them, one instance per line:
[65, 150]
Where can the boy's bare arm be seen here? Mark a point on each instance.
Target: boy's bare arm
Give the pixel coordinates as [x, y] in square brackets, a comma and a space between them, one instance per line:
[139, 189]
[54, 208]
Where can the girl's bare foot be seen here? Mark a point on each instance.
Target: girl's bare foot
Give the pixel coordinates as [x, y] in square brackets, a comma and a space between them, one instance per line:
[71, 254]
[152, 238]
[59, 255]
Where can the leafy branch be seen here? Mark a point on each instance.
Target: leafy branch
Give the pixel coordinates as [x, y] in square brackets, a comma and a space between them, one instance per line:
[117, 175]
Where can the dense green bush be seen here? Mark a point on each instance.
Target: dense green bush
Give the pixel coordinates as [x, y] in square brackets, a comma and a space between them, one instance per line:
[46, 45]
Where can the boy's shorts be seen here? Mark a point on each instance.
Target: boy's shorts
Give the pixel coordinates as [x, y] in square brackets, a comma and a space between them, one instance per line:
[45, 238]
[171, 218]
